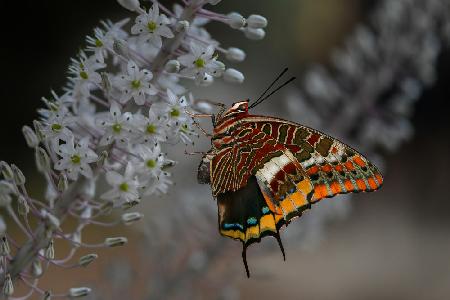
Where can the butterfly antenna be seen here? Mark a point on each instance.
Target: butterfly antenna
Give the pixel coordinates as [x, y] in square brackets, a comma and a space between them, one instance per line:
[273, 82]
[273, 92]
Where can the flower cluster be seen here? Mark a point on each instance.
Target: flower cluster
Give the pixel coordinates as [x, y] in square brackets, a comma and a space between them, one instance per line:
[112, 126]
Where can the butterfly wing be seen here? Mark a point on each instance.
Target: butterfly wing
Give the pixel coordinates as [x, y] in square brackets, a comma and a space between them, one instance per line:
[332, 166]
[271, 170]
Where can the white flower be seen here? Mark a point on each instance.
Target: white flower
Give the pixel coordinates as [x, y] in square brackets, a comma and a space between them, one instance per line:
[98, 44]
[158, 185]
[174, 108]
[136, 84]
[56, 125]
[117, 126]
[124, 187]
[151, 162]
[152, 26]
[200, 61]
[75, 158]
[84, 74]
[151, 129]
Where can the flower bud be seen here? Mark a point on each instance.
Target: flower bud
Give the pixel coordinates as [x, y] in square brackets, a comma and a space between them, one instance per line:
[236, 20]
[233, 75]
[19, 178]
[42, 160]
[38, 130]
[106, 83]
[6, 171]
[121, 48]
[235, 54]
[204, 80]
[8, 287]
[30, 137]
[50, 251]
[36, 267]
[5, 250]
[2, 226]
[79, 292]
[132, 5]
[86, 260]
[254, 34]
[130, 218]
[102, 158]
[63, 183]
[129, 204]
[22, 206]
[115, 241]
[256, 21]
[182, 25]
[172, 66]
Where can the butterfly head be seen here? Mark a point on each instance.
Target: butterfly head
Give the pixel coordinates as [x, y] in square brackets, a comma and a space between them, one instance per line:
[238, 109]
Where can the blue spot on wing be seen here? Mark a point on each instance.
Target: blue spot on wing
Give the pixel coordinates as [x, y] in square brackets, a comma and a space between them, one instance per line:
[233, 226]
[265, 210]
[252, 221]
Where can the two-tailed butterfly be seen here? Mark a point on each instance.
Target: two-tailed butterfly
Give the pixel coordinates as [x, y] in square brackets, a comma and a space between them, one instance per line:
[265, 171]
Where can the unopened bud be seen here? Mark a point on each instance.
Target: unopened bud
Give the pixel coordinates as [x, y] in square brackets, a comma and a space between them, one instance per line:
[130, 204]
[50, 251]
[130, 218]
[254, 34]
[115, 241]
[5, 250]
[2, 226]
[172, 66]
[8, 287]
[22, 206]
[233, 76]
[102, 158]
[6, 171]
[30, 137]
[235, 54]
[79, 292]
[236, 20]
[256, 21]
[132, 5]
[121, 48]
[106, 83]
[182, 25]
[19, 178]
[204, 80]
[38, 130]
[42, 160]
[86, 260]
[36, 267]
[63, 183]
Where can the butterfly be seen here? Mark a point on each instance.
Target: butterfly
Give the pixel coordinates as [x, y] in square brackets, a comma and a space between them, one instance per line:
[265, 171]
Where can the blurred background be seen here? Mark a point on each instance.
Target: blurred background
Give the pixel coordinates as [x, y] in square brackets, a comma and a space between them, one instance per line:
[373, 73]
